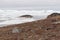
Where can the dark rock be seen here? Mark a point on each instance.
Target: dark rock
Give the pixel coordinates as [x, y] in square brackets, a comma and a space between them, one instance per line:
[53, 15]
[27, 16]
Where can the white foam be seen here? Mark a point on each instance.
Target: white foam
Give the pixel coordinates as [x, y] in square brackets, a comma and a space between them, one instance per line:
[9, 17]
[15, 21]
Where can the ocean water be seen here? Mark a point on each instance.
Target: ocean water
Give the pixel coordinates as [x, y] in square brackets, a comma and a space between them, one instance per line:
[9, 17]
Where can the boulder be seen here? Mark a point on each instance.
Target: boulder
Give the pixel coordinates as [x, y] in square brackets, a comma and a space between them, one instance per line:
[26, 16]
[53, 15]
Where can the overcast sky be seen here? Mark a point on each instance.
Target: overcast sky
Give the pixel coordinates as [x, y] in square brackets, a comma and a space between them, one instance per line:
[29, 4]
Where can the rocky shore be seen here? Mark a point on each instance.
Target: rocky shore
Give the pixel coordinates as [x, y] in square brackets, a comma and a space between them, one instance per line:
[46, 29]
